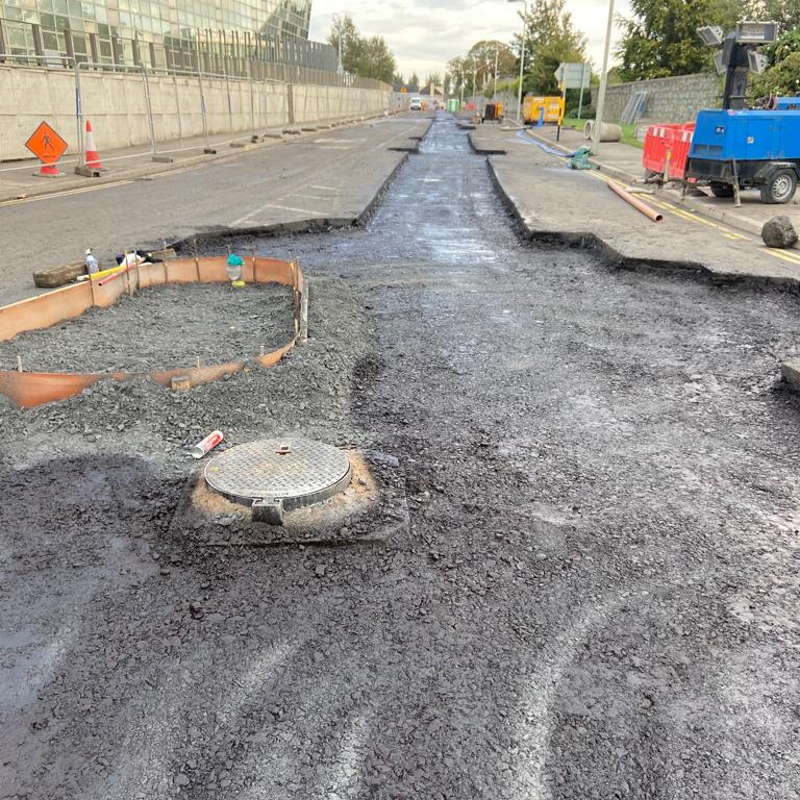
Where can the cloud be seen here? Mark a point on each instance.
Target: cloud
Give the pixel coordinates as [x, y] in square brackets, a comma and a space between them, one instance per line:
[425, 34]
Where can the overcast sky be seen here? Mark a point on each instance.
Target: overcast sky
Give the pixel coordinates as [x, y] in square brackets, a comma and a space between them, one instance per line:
[425, 34]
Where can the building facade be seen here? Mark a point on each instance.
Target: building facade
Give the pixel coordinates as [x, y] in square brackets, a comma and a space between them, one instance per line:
[171, 34]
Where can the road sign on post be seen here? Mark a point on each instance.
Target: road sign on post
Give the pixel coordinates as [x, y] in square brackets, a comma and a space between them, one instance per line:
[573, 75]
[48, 146]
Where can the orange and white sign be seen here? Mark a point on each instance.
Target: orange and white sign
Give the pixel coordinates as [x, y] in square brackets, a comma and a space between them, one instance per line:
[46, 144]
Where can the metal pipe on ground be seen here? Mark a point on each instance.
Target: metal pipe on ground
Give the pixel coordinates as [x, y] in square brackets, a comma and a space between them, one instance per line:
[650, 213]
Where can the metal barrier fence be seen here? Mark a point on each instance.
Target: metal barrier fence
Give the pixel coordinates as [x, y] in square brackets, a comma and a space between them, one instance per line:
[237, 54]
[241, 103]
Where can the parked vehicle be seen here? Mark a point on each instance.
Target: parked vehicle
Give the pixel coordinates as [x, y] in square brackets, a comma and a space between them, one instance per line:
[757, 149]
[415, 104]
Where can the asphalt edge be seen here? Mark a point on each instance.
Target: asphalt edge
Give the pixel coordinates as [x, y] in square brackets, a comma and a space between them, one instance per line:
[298, 226]
[588, 240]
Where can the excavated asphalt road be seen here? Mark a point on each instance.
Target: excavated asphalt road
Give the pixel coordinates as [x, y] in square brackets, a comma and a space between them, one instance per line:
[597, 596]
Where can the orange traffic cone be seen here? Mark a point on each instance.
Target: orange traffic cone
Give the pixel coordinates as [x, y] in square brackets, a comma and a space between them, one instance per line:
[92, 156]
[49, 171]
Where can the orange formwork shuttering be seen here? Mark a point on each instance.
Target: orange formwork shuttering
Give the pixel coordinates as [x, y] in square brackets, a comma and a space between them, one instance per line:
[29, 389]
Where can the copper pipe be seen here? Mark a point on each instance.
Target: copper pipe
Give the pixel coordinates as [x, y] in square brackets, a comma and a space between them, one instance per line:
[651, 213]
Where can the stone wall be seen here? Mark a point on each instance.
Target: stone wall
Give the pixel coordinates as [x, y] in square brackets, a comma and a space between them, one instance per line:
[116, 105]
[676, 99]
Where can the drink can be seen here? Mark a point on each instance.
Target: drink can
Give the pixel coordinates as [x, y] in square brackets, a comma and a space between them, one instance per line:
[207, 444]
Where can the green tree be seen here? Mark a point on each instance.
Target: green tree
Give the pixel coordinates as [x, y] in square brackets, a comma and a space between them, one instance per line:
[661, 38]
[370, 57]
[783, 75]
[785, 12]
[485, 54]
[413, 82]
[433, 78]
[550, 39]
[376, 60]
[345, 37]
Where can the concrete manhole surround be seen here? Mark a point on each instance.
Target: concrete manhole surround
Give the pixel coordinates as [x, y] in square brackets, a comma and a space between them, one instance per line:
[276, 475]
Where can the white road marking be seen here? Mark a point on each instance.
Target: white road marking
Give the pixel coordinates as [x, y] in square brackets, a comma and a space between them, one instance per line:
[273, 205]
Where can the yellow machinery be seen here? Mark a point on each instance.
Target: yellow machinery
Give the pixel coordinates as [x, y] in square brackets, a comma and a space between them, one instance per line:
[553, 109]
[493, 111]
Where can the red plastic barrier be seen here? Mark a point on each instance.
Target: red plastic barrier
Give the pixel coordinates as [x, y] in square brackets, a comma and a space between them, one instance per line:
[666, 148]
[680, 151]
[657, 142]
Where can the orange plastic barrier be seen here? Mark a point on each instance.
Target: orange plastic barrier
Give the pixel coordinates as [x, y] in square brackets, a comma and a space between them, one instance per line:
[28, 389]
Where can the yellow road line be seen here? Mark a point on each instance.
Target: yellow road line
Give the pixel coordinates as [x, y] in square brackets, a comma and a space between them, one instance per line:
[793, 257]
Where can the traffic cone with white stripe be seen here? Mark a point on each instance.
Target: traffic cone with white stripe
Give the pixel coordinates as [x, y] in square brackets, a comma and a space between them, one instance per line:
[92, 166]
[92, 156]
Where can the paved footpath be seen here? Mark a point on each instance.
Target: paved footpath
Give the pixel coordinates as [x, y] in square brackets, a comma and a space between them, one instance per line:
[625, 161]
[553, 201]
[333, 175]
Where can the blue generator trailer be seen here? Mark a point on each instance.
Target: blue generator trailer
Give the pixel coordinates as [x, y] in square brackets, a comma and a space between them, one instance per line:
[756, 149]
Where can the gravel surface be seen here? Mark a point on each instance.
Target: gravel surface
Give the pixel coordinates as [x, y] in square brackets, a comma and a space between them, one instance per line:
[597, 598]
[161, 328]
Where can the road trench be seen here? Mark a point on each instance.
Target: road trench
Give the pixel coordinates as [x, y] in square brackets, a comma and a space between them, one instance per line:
[595, 595]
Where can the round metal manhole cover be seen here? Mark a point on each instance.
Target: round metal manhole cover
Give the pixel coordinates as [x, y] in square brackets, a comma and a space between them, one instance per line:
[298, 471]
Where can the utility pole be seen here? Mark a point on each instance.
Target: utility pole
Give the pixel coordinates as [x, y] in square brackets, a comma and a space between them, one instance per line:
[601, 92]
[474, 79]
[522, 53]
[496, 56]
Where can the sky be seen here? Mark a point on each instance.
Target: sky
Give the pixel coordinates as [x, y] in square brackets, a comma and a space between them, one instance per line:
[425, 34]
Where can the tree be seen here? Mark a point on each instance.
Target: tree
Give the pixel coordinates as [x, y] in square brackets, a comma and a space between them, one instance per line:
[370, 57]
[550, 39]
[346, 39]
[413, 82]
[785, 12]
[397, 78]
[783, 76]
[433, 78]
[376, 60]
[661, 38]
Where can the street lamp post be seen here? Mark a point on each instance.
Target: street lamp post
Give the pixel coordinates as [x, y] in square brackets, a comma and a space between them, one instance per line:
[601, 92]
[474, 79]
[522, 53]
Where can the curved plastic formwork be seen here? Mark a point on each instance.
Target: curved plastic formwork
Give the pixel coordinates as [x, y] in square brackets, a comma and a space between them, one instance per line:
[29, 389]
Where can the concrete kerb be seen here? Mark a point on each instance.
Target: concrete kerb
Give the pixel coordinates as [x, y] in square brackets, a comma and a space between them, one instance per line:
[612, 257]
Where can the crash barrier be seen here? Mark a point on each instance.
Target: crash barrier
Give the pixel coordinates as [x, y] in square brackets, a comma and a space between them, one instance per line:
[28, 389]
[666, 148]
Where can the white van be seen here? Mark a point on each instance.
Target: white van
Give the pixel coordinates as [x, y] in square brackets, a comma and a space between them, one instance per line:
[415, 104]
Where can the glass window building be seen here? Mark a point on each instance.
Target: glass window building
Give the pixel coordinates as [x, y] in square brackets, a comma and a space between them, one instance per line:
[163, 33]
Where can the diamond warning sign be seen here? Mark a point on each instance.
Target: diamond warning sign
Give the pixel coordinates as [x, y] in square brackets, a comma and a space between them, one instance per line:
[46, 144]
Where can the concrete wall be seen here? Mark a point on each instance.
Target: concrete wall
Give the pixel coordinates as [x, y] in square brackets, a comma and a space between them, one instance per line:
[676, 99]
[116, 105]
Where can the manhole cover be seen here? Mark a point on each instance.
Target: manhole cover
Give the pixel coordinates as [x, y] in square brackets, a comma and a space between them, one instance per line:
[277, 475]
